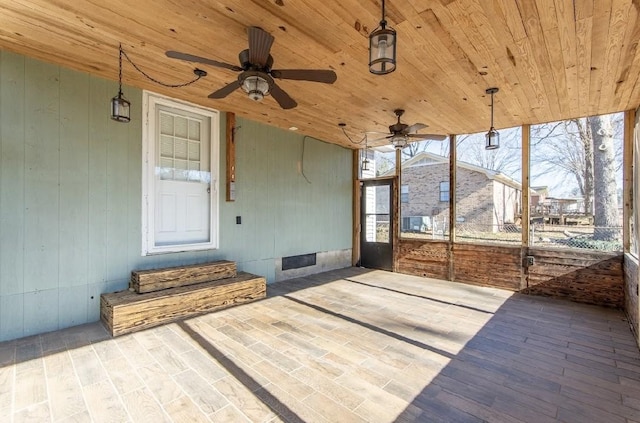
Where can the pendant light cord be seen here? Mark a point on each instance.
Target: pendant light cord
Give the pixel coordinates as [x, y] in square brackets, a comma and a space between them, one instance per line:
[383, 22]
[492, 109]
[120, 72]
[198, 72]
[364, 138]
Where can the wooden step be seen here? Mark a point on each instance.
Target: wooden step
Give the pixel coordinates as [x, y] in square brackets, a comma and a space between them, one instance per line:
[127, 311]
[171, 277]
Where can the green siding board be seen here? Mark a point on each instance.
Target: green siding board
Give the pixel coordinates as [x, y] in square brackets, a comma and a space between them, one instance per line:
[12, 317]
[12, 122]
[74, 177]
[41, 202]
[116, 194]
[98, 140]
[41, 311]
[70, 197]
[134, 184]
[72, 302]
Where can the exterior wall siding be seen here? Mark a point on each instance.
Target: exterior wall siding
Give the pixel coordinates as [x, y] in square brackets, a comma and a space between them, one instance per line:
[474, 200]
[70, 197]
[507, 201]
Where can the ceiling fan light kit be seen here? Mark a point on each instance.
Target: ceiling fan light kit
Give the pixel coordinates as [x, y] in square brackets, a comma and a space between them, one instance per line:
[382, 48]
[399, 142]
[399, 133]
[492, 137]
[256, 87]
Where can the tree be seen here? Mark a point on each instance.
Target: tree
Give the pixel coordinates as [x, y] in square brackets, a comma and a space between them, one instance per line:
[583, 150]
[506, 159]
[605, 187]
[414, 148]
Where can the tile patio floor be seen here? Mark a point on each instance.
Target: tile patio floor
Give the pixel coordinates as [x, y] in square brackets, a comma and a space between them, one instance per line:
[345, 346]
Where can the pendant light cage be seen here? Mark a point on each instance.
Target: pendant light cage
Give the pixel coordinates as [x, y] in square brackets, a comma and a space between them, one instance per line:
[492, 138]
[382, 48]
[120, 106]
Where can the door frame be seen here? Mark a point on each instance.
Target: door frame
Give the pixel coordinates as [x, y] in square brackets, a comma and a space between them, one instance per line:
[150, 100]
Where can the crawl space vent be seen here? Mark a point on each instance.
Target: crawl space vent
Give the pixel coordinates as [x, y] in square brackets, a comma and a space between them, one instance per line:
[296, 262]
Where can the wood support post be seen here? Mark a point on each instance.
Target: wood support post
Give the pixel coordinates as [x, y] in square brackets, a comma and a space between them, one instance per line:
[355, 248]
[627, 179]
[452, 203]
[526, 200]
[231, 156]
[395, 207]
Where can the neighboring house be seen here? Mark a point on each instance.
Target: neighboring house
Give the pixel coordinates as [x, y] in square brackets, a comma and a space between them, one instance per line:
[538, 196]
[485, 198]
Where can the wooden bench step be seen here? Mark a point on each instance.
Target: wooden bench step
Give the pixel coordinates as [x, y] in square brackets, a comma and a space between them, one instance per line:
[171, 277]
[126, 311]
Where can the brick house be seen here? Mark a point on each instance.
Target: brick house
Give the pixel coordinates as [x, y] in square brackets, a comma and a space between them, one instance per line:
[486, 199]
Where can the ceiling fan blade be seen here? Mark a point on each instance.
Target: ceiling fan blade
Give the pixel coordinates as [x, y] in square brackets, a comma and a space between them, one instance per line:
[430, 137]
[381, 138]
[260, 43]
[203, 60]
[226, 90]
[283, 99]
[314, 75]
[415, 127]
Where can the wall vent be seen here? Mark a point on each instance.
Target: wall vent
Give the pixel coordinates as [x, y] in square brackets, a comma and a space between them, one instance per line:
[296, 262]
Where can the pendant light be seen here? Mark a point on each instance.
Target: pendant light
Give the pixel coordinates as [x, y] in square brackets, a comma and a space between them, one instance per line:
[382, 48]
[120, 106]
[492, 137]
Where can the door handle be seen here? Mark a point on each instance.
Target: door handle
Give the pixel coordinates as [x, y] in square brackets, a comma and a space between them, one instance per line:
[208, 190]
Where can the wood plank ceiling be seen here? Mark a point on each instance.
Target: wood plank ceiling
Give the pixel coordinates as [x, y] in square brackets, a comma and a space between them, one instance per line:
[551, 59]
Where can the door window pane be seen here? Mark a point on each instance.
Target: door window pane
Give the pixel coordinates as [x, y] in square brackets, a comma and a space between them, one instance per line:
[377, 209]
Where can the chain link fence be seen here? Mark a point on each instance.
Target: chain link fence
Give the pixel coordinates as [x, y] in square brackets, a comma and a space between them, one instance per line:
[541, 235]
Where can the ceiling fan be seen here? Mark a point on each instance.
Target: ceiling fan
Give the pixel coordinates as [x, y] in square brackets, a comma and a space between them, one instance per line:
[256, 76]
[399, 133]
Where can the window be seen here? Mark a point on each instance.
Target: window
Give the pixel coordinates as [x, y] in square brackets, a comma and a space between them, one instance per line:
[180, 176]
[404, 194]
[424, 165]
[576, 184]
[444, 191]
[488, 190]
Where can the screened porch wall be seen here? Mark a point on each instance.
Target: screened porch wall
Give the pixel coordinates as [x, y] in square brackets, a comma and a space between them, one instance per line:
[70, 197]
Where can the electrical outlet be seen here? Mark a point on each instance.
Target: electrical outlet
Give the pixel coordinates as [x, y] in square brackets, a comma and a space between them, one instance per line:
[238, 220]
[530, 261]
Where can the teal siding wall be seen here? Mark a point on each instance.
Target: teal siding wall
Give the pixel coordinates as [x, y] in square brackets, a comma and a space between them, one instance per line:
[70, 197]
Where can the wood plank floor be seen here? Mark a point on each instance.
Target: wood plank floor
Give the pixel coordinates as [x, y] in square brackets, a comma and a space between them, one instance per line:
[344, 346]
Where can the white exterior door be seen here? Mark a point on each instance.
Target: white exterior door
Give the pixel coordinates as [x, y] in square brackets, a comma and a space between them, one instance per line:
[183, 182]
[181, 193]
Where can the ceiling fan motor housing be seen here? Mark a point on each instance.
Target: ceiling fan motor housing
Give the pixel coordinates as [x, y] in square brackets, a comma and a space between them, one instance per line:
[246, 64]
